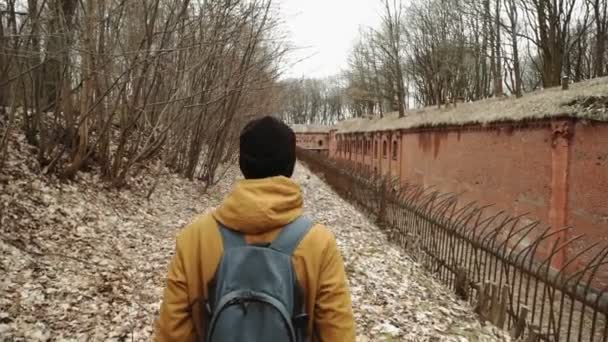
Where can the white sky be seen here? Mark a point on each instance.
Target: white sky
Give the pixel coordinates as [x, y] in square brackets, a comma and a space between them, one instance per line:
[324, 31]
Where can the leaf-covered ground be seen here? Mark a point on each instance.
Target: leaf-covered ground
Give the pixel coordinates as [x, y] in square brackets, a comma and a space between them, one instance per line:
[83, 262]
[393, 297]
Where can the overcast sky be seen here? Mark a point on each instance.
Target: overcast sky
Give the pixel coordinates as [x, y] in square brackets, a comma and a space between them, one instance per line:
[324, 31]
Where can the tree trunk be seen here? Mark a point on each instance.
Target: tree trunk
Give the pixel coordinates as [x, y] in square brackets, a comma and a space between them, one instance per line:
[600, 14]
[87, 66]
[600, 53]
[498, 89]
[3, 68]
[516, 63]
[58, 57]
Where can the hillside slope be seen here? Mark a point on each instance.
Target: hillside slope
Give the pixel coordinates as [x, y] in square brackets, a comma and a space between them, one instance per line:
[84, 262]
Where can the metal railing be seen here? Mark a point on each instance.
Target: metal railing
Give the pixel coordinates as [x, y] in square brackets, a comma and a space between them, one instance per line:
[502, 264]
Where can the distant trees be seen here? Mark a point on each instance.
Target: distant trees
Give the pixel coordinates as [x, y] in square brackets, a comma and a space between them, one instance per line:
[376, 80]
[119, 83]
[599, 10]
[365, 85]
[445, 59]
[438, 52]
[389, 40]
[473, 49]
[307, 101]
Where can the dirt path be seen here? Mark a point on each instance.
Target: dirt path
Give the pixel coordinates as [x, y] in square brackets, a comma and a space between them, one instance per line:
[81, 262]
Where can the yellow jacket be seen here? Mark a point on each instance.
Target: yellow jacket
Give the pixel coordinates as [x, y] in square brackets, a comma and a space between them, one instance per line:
[259, 208]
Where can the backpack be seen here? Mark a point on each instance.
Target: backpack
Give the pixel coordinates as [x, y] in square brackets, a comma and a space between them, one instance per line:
[255, 295]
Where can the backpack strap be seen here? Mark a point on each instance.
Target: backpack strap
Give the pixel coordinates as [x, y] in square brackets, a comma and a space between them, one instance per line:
[231, 238]
[289, 238]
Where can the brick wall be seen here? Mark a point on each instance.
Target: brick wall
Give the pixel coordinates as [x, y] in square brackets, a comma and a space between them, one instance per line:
[508, 168]
[587, 206]
[313, 141]
[554, 171]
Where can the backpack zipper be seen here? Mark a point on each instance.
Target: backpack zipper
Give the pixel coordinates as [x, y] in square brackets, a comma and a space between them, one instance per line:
[254, 297]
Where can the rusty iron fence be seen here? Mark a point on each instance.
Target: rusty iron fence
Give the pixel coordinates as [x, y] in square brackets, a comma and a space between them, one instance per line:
[503, 265]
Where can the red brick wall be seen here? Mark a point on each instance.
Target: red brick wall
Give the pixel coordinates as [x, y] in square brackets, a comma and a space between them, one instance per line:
[313, 140]
[384, 153]
[588, 183]
[333, 144]
[556, 172]
[511, 169]
[376, 152]
[394, 155]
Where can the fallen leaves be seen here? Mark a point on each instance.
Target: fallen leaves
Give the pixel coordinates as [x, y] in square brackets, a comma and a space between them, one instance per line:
[84, 262]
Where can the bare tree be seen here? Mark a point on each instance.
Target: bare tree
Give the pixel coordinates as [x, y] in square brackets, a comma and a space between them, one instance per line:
[390, 41]
[98, 88]
[367, 88]
[514, 27]
[600, 16]
[551, 21]
[312, 101]
[498, 80]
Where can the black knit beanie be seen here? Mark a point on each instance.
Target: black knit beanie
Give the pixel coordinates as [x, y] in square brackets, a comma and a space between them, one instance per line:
[267, 149]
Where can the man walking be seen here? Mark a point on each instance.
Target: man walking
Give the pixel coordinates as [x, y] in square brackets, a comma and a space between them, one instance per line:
[256, 269]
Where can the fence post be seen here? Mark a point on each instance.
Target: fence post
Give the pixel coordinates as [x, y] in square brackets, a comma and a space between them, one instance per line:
[520, 326]
[461, 286]
[504, 305]
[533, 334]
[565, 82]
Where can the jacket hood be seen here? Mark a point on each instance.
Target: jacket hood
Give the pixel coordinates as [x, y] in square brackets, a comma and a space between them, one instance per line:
[256, 206]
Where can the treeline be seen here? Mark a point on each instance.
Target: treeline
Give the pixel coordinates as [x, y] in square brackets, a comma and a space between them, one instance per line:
[117, 84]
[434, 52]
[307, 101]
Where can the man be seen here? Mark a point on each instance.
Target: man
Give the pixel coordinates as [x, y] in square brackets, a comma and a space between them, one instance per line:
[259, 207]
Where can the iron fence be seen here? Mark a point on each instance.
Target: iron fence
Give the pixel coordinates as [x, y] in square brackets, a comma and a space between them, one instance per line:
[503, 265]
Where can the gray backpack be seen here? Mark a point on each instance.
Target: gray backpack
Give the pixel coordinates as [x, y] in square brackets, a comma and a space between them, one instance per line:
[255, 295]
